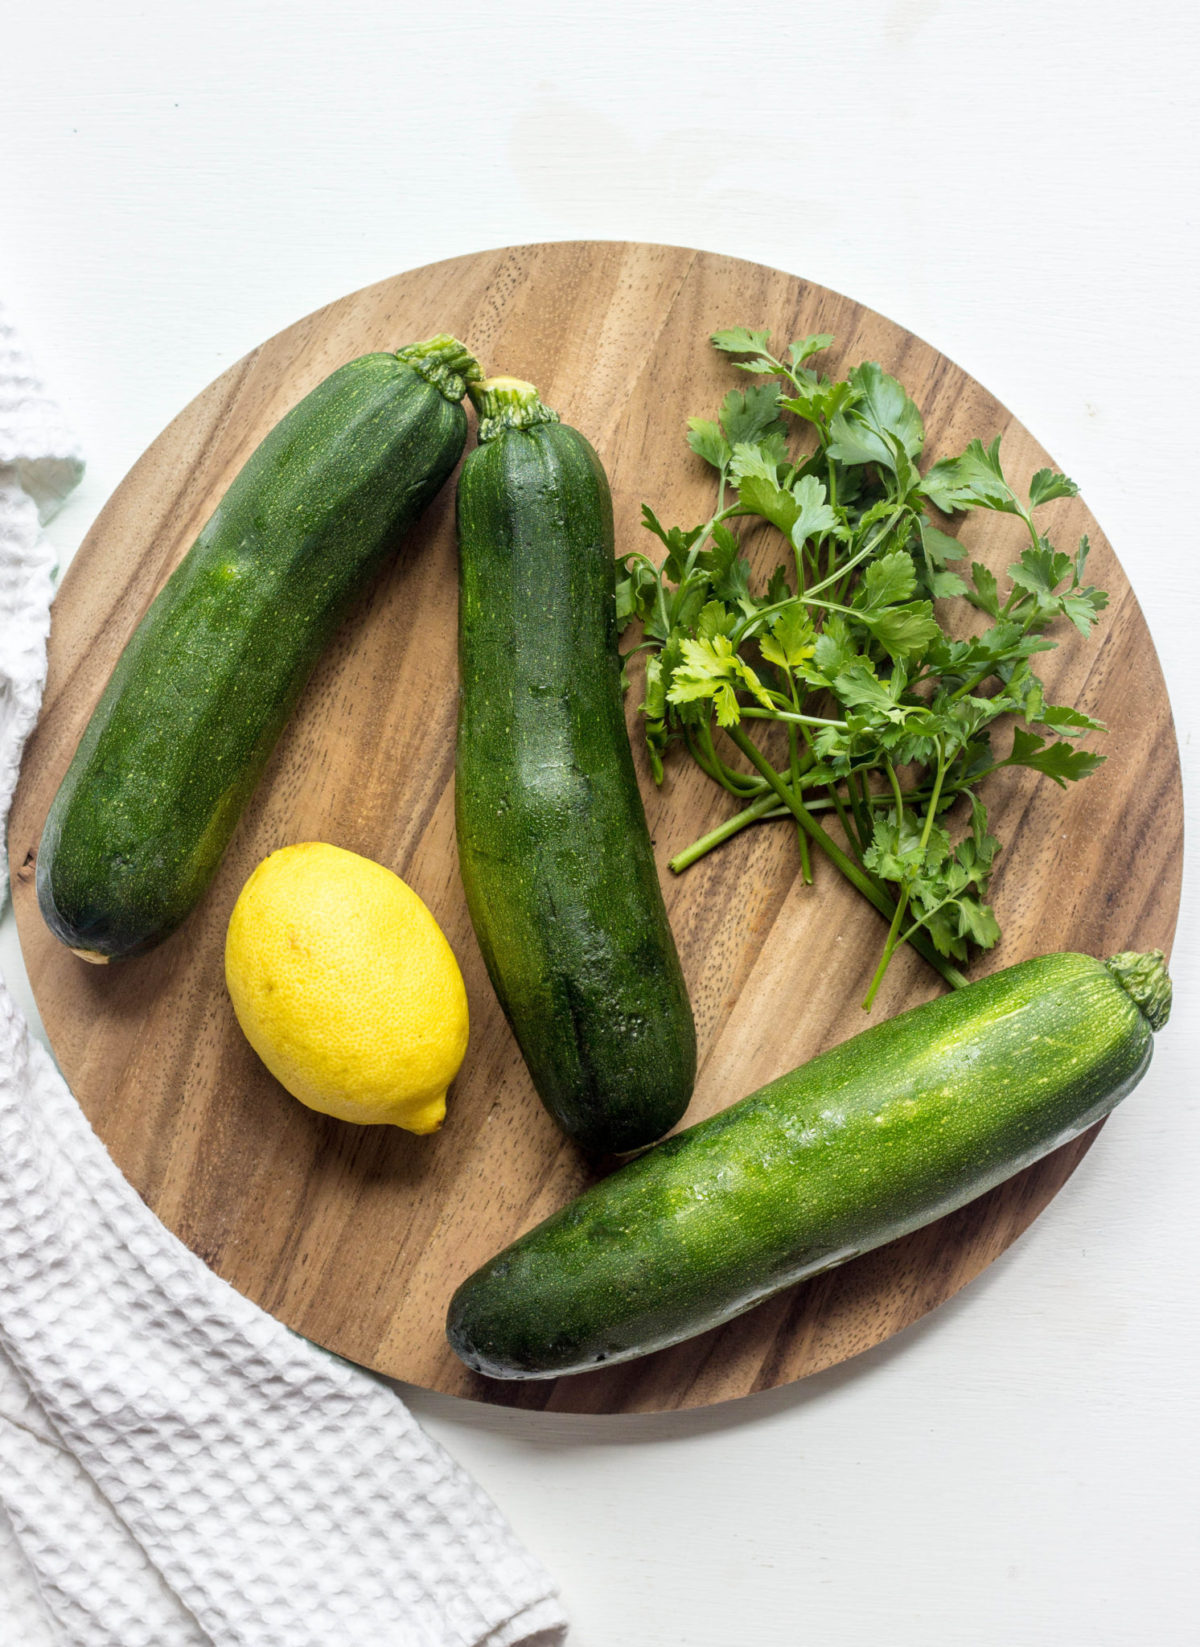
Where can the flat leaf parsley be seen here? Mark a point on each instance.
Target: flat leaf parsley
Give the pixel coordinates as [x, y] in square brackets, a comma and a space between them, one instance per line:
[887, 720]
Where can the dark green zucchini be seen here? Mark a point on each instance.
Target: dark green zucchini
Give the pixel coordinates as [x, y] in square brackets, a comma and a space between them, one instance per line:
[211, 674]
[877, 1137]
[552, 840]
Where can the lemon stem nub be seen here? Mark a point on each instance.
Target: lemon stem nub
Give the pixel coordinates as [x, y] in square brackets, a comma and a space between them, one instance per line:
[428, 1118]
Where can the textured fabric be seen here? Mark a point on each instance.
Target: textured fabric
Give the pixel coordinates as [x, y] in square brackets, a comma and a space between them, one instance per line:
[176, 1468]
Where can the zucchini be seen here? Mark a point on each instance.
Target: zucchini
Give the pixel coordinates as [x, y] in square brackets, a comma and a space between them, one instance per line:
[208, 679]
[552, 839]
[875, 1138]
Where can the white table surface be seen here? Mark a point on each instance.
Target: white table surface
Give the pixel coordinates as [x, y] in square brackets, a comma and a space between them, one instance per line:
[1017, 183]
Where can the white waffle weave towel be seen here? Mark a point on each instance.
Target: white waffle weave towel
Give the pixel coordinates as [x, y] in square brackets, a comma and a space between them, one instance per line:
[176, 1468]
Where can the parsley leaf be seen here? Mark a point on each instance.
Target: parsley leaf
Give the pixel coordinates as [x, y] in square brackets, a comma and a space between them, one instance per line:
[1057, 760]
[708, 442]
[939, 547]
[814, 517]
[711, 669]
[818, 402]
[974, 480]
[904, 631]
[1048, 484]
[804, 347]
[738, 340]
[747, 415]
[891, 578]
[792, 639]
[881, 425]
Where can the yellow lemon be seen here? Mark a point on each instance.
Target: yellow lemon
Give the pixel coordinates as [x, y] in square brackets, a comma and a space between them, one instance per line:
[346, 988]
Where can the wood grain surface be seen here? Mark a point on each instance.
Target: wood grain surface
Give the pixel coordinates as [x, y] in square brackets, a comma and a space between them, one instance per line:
[357, 1237]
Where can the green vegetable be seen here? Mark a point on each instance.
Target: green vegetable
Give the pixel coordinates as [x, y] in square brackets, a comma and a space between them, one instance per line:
[208, 679]
[552, 840]
[887, 720]
[883, 1134]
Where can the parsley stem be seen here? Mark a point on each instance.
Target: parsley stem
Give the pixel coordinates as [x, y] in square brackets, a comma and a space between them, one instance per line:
[805, 858]
[889, 949]
[766, 803]
[704, 752]
[857, 877]
[860, 801]
[831, 801]
[747, 628]
[928, 916]
[931, 811]
[790, 716]
[969, 686]
[894, 940]
[861, 555]
[749, 625]
[978, 777]
[794, 770]
[723, 513]
[851, 830]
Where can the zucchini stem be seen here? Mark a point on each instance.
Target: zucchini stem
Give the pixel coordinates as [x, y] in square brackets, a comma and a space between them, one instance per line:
[1145, 979]
[508, 403]
[445, 362]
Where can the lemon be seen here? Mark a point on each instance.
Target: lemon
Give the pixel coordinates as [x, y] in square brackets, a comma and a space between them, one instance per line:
[346, 988]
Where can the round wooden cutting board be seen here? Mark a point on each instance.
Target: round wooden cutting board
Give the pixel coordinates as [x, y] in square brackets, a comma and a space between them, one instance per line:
[357, 1237]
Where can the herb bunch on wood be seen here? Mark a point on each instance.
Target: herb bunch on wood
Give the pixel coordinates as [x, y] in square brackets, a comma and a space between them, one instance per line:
[888, 721]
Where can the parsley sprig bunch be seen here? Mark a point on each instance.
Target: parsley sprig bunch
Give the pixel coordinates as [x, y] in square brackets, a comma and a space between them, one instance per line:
[885, 722]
